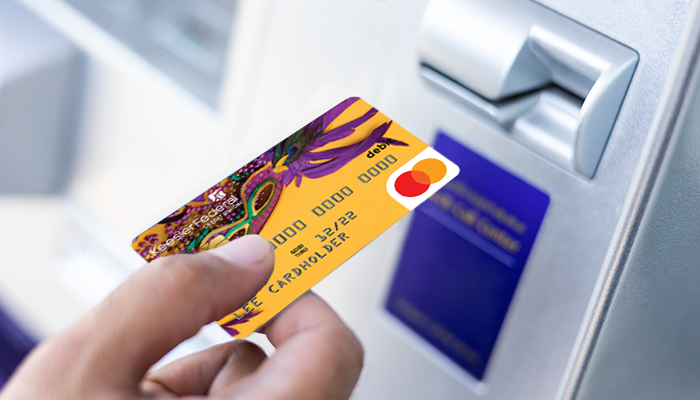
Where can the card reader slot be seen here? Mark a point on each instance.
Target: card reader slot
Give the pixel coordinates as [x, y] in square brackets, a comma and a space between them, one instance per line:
[551, 84]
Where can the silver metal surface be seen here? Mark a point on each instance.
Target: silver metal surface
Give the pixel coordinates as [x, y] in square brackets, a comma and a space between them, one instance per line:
[501, 49]
[482, 45]
[647, 346]
[635, 348]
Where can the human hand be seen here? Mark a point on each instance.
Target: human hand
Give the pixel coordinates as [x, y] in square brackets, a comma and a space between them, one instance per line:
[108, 353]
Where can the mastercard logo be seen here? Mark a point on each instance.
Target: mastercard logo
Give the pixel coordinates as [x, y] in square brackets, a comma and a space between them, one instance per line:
[417, 181]
[420, 177]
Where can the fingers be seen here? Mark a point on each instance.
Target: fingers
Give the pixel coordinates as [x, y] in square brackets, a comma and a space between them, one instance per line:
[317, 357]
[166, 302]
[213, 368]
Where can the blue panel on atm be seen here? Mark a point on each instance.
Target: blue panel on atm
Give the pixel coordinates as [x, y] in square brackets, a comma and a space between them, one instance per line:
[465, 251]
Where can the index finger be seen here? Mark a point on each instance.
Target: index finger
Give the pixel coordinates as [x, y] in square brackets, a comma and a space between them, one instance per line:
[317, 357]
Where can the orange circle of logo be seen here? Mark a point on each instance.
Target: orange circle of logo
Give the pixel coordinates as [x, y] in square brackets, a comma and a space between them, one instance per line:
[435, 169]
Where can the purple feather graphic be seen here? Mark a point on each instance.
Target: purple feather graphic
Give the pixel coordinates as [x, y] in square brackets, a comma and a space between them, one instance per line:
[298, 156]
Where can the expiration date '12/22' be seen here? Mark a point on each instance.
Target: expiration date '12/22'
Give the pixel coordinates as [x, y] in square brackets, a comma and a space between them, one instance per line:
[332, 230]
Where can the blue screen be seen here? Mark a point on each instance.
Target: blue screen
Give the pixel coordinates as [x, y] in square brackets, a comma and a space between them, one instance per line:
[463, 257]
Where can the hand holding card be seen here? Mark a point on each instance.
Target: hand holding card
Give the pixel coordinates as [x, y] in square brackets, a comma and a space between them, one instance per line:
[110, 351]
[318, 196]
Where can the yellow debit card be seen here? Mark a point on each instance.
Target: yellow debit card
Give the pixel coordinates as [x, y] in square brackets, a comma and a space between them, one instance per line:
[318, 196]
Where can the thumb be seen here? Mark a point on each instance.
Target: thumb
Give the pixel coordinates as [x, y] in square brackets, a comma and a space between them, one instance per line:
[167, 302]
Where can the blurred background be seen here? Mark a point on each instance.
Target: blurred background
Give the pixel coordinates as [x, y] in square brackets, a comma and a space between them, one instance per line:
[573, 116]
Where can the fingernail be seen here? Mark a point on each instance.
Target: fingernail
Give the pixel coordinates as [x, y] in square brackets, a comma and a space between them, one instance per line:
[245, 251]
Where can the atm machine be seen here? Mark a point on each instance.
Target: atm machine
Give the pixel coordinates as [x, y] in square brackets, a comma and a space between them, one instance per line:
[562, 262]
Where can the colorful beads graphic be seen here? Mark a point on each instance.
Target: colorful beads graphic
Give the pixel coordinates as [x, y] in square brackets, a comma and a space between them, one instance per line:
[417, 181]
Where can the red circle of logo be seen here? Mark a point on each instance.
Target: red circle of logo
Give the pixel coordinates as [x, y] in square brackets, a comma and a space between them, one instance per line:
[412, 183]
